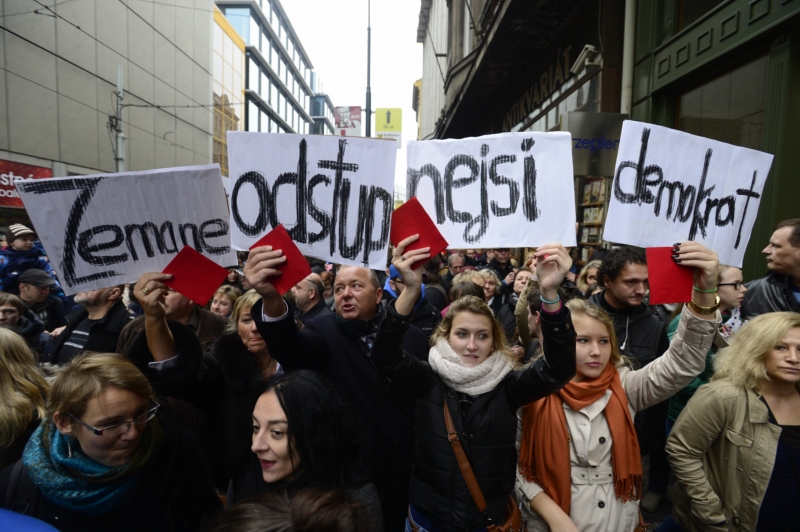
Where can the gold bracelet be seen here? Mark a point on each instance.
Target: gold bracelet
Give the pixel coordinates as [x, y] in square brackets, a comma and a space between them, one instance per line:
[704, 310]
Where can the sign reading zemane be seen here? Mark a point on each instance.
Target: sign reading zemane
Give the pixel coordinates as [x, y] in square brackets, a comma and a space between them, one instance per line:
[670, 186]
[517, 188]
[307, 183]
[141, 221]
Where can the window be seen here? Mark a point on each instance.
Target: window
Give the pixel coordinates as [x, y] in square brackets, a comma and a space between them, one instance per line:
[273, 126]
[252, 75]
[264, 126]
[281, 109]
[730, 108]
[690, 11]
[252, 116]
[264, 92]
[240, 20]
[255, 34]
[273, 95]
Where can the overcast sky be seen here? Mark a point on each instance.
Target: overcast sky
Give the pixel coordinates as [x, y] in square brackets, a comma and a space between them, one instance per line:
[334, 35]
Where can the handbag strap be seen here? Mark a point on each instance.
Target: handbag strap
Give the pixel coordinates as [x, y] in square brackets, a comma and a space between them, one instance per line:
[463, 462]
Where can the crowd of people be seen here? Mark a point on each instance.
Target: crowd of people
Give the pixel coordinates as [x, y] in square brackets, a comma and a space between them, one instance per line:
[471, 390]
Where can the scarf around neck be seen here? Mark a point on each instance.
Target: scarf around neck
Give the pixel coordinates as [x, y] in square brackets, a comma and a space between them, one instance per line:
[473, 381]
[78, 483]
[544, 454]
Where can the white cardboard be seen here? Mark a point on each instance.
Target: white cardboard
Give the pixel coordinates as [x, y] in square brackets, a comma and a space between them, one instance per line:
[88, 224]
[731, 192]
[480, 191]
[314, 193]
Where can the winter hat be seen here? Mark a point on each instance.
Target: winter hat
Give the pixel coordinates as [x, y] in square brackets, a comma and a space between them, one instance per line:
[16, 231]
[393, 273]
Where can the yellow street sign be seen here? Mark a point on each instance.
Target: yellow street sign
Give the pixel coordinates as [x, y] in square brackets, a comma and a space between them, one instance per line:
[388, 119]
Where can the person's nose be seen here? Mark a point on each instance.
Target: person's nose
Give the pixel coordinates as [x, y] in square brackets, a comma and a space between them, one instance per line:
[471, 345]
[767, 250]
[260, 443]
[793, 355]
[132, 432]
[594, 352]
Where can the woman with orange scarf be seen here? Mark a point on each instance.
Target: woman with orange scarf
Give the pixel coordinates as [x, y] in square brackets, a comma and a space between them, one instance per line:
[579, 462]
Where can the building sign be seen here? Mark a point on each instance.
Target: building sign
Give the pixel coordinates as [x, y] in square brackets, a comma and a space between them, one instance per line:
[12, 172]
[348, 121]
[389, 124]
[595, 141]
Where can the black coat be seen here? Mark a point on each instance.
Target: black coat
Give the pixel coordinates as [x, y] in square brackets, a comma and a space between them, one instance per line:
[51, 312]
[640, 334]
[320, 309]
[31, 328]
[103, 335]
[174, 493]
[504, 312]
[385, 410]
[223, 387]
[772, 293]
[487, 428]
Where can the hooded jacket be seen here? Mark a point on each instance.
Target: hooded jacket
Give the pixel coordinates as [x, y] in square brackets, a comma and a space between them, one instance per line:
[640, 334]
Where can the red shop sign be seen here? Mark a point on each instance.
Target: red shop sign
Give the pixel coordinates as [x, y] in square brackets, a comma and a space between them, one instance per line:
[11, 172]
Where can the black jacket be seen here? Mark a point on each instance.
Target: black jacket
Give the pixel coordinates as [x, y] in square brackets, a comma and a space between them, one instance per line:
[426, 318]
[320, 309]
[103, 335]
[771, 293]
[31, 328]
[640, 335]
[173, 493]
[504, 312]
[385, 409]
[501, 271]
[487, 428]
[51, 312]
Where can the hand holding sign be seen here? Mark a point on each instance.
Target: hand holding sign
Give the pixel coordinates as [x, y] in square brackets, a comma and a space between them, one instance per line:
[404, 261]
[706, 270]
[553, 263]
[151, 293]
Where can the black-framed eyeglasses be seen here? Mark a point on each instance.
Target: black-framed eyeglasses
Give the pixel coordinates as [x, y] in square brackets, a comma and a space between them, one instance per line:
[737, 285]
[121, 428]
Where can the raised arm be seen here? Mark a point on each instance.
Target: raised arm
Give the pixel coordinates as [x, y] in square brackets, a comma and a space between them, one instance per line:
[698, 426]
[274, 318]
[388, 355]
[551, 372]
[521, 314]
[686, 356]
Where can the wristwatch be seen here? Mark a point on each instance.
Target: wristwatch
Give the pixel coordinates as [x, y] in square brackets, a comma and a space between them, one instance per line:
[704, 310]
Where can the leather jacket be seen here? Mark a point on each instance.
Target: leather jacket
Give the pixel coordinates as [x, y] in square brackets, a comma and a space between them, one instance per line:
[771, 293]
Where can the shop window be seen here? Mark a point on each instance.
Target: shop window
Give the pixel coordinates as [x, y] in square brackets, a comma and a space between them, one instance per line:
[730, 108]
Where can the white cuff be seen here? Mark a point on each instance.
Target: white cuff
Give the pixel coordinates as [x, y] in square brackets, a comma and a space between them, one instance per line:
[266, 318]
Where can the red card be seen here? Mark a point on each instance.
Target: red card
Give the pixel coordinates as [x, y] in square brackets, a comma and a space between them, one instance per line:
[194, 275]
[296, 267]
[669, 281]
[411, 219]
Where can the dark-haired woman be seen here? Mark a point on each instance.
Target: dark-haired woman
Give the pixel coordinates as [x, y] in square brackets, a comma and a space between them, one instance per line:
[469, 373]
[304, 436]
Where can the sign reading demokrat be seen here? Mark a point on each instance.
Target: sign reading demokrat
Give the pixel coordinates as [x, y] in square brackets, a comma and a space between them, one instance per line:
[506, 190]
[671, 186]
[104, 230]
[333, 195]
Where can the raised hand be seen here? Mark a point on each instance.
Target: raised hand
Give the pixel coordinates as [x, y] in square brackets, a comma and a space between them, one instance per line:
[260, 269]
[706, 271]
[552, 265]
[404, 262]
[151, 292]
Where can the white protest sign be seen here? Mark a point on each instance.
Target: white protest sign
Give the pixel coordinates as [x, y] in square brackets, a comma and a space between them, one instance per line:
[505, 190]
[333, 195]
[109, 229]
[671, 186]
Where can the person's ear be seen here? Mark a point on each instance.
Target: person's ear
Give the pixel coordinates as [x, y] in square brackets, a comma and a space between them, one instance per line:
[606, 281]
[379, 295]
[63, 424]
[538, 317]
[115, 293]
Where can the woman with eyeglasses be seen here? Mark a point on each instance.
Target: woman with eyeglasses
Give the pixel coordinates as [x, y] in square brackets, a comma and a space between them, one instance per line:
[730, 289]
[102, 460]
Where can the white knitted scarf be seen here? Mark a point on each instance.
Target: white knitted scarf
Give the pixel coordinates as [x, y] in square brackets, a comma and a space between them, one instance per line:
[472, 381]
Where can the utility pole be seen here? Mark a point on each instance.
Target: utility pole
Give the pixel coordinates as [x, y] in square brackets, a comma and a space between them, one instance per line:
[369, 92]
[116, 124]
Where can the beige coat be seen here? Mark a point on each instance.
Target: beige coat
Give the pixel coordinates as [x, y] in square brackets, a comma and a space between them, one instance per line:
[594, 505]
[722, 450]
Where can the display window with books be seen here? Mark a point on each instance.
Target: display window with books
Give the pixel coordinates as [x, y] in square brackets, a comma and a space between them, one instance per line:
[592, 195]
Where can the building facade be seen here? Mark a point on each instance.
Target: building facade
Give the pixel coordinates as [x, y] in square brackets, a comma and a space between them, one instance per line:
[729, 71]
[278, 71]
[60, 71]
[429, 99]
[229, 76]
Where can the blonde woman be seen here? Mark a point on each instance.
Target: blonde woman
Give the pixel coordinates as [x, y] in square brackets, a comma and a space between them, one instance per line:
[735, 448]
[23, 394]
[224, 300]
[588, 276]
[470, 373]
[579, 459]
